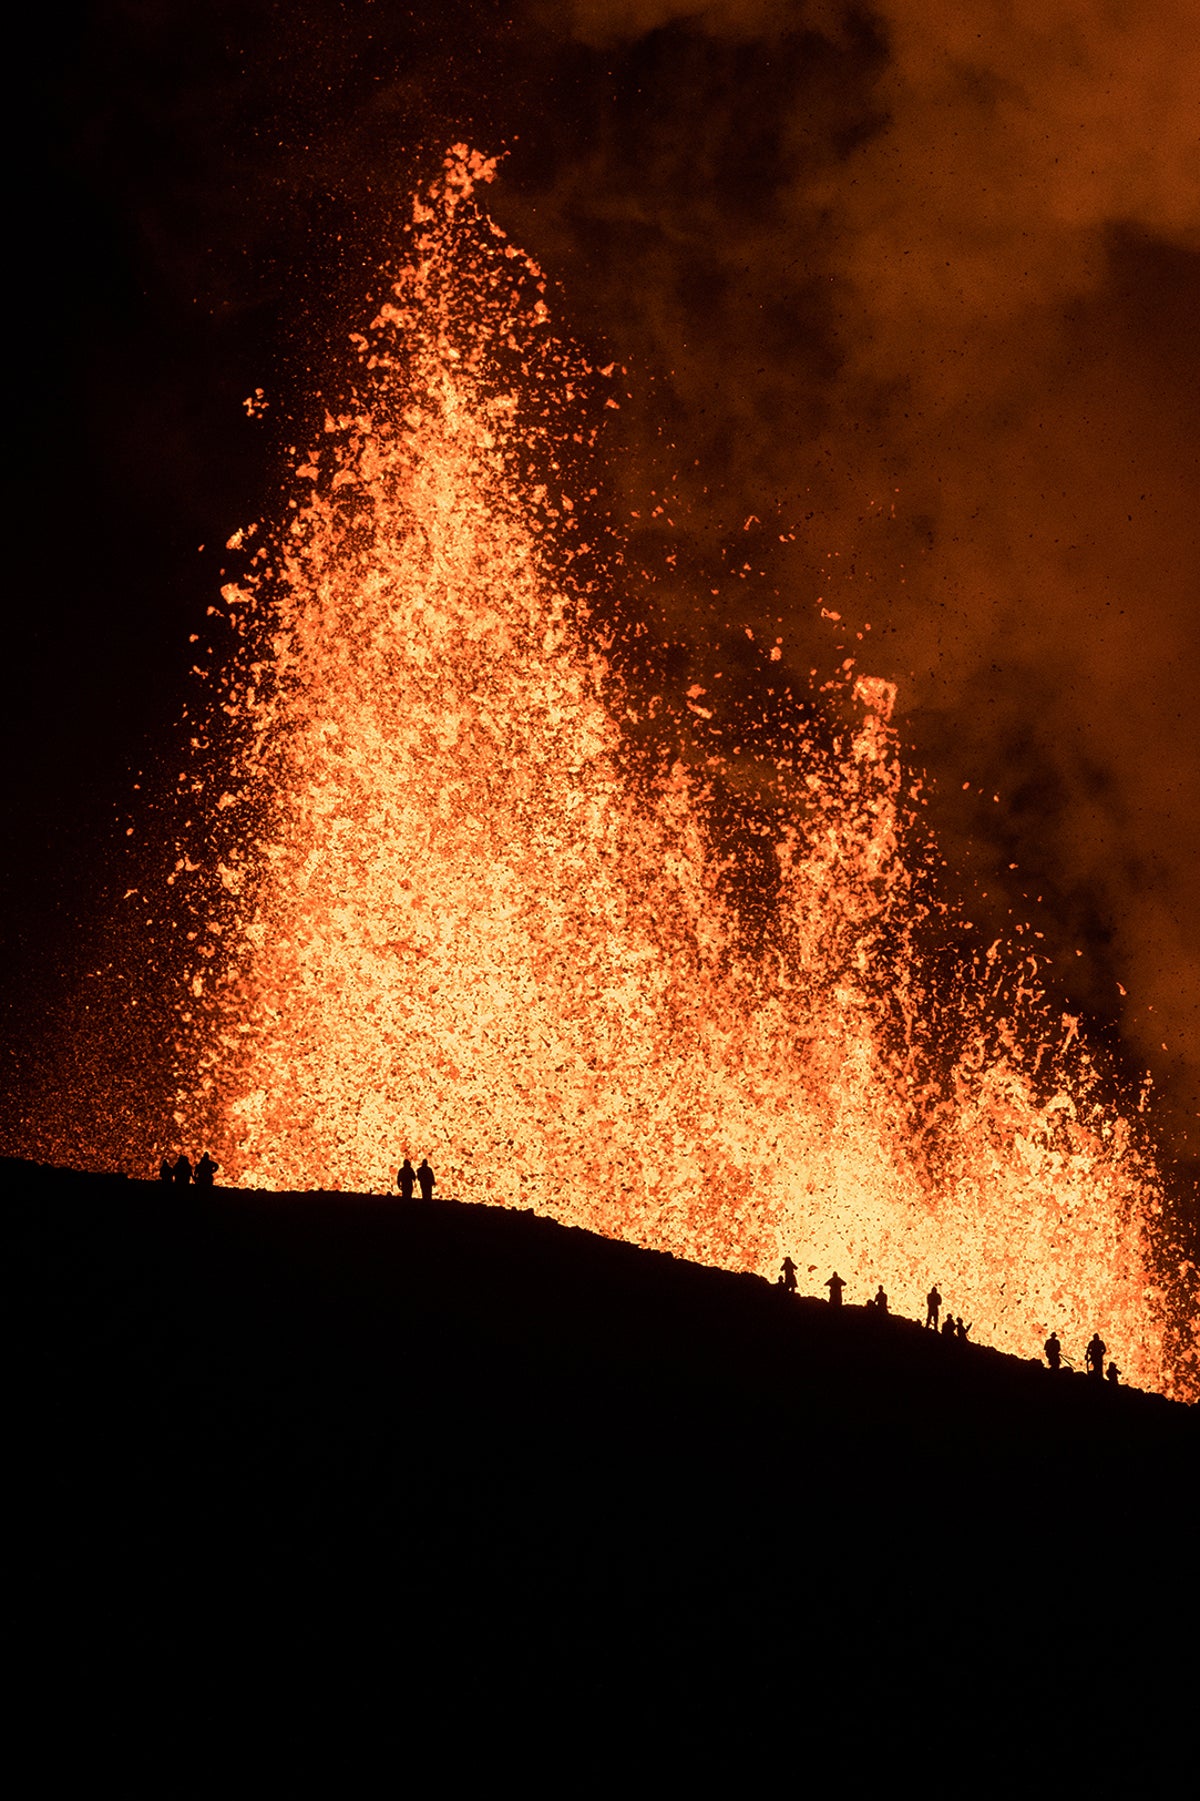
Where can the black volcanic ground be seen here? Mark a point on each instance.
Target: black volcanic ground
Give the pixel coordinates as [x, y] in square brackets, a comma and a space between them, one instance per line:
[319, 1472]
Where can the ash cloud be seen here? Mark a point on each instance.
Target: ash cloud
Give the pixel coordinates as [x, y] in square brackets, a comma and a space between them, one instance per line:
[924, 278]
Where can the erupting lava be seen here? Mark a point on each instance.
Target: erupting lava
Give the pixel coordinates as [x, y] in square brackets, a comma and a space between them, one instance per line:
[452, 921]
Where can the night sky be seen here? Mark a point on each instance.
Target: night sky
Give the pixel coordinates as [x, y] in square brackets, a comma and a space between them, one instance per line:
[917, 283]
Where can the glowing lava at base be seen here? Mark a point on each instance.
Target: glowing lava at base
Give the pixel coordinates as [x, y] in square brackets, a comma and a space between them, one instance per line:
[457, 925]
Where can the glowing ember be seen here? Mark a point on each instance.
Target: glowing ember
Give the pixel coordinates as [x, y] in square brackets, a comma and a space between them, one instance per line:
[457, 926]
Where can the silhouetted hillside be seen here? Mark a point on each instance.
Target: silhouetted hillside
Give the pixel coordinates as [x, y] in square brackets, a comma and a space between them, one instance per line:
[316, 1468]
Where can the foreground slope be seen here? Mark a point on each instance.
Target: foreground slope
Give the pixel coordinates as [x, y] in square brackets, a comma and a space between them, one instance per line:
[439, 1460]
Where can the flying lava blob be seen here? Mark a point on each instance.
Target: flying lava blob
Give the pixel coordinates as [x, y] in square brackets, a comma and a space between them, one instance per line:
[453, 921]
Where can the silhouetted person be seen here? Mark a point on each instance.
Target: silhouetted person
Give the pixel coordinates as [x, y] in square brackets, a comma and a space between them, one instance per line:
[963, 1332]
[1054, 1351]
[949, 1329]
[1114, 1374]
[881, 1299]
[933, 1306]
[1095, 1356]
[406, 1179]
[206, 1169]
[425, 1179]
[182, 1171]
[165, 1172]
[787, 1275]
[835, 1286]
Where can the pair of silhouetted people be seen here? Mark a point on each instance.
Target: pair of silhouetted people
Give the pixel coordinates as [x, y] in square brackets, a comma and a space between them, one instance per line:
[835, 1285]
[950, 1327]
[181, 1173]
[1094, 1356]
[408, 1178]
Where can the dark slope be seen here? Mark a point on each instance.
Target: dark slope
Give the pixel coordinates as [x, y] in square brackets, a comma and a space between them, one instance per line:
[336, 1469]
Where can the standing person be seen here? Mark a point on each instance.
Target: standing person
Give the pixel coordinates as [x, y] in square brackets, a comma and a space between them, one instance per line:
[206, 1169]
[165, 1172]
[881, 1300]
[183, 1169]
[787, 1275]
[835, 1286]
[406, 1180]
[425, 1179]
[933, 1306]
[1053, 1349]
[1095, 1356]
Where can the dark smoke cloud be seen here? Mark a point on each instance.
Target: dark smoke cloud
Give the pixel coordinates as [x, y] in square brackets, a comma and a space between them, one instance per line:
[945, 261]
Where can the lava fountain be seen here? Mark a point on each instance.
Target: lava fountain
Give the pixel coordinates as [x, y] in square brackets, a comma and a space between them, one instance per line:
[453, 919]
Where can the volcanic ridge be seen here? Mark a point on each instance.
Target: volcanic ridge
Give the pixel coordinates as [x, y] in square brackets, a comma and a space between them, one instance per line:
[435, 1458]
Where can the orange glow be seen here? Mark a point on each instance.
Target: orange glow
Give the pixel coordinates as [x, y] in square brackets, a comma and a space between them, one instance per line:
[457, 926]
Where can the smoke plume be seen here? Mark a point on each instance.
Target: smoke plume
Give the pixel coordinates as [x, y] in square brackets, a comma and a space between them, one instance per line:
[920, 284]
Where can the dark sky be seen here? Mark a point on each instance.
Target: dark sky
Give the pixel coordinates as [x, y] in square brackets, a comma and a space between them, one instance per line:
[917, 282]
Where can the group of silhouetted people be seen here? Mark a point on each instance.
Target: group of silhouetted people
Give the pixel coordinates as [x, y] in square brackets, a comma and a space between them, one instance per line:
[182, 1174]
[1094, 1356]
[408, 1178]
[952, 1326]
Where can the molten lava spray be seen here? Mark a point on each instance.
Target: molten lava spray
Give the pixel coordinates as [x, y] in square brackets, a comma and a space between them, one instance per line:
[457, 918]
